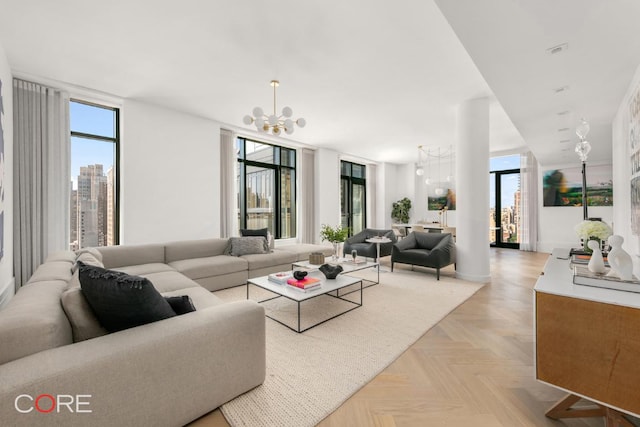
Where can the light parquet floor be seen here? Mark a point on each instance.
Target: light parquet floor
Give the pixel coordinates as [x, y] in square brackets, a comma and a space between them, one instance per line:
[474, 368]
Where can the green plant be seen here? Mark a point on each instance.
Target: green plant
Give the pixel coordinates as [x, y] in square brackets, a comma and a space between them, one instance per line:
[333, 234]
[400, 210]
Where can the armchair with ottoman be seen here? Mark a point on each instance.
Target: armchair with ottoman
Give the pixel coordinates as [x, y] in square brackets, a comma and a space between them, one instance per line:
[434, 250]
[366, 249]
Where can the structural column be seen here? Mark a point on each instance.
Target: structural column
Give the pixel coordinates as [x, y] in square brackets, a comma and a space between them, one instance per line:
[472, 200]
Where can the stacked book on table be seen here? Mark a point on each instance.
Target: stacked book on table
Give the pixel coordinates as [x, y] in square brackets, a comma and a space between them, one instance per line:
[355, 261]
[582, 276]
[583, 259]
[281, 277]
[304, 285]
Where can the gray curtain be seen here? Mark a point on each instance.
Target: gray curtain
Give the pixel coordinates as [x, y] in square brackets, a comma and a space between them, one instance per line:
[228, 191]
[529, 202]
[306, 171]
[42, 175]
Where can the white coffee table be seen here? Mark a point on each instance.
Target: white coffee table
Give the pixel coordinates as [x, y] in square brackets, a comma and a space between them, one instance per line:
[326, 288]
[348, 266]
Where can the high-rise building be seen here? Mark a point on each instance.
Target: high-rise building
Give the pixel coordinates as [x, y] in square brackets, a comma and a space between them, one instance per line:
[73, 220]
[110, 208]
[91, 209]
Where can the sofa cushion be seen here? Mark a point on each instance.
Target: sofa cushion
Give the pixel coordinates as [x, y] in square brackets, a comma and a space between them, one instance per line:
[143, 269]
[189, 249]
[121, 256]
[274, 258]
[198, 268]
[55, 270]
[200, 297]
[34, 321]
[239, 246]
[121, 301]
[84, 323]
[88, 258]
[181, 304]
[165, 281]
[68, 256]
[93, 251]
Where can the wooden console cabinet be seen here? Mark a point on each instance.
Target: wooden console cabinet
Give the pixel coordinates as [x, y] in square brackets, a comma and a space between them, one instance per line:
[587, 339]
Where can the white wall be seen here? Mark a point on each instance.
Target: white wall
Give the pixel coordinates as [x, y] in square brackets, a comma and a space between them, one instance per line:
[556, 223]
[327, 188]
[170, 178]
[622, 173]
[6, 264]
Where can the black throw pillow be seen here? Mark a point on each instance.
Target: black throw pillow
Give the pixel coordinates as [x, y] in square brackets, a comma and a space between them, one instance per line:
[121, 301]
[264, 232]
[181, 304]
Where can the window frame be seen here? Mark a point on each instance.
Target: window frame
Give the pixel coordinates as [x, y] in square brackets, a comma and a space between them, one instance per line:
[115, 140]
[277, 167]
[351, 180]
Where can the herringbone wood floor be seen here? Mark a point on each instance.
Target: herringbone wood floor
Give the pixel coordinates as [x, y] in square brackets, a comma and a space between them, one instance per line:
[475, 368]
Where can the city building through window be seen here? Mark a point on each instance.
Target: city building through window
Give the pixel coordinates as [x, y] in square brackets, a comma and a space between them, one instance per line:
[266, 187]
[505, 223]
[94, 175]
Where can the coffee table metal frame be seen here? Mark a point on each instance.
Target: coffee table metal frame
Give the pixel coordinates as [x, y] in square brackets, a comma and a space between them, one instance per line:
[328, 286]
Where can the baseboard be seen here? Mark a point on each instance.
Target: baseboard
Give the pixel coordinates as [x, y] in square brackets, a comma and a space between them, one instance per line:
[7, 291]
[473, 277]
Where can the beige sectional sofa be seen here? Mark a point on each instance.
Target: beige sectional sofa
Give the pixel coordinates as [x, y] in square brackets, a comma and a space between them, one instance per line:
[165, 373]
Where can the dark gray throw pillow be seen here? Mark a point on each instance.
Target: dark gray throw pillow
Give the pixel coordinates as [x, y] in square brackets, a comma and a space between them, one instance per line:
[181, 304]
[264, 232]
[121, 301]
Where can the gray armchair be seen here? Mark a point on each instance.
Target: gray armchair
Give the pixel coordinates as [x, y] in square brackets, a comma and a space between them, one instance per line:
[434, 250]
[359, 243]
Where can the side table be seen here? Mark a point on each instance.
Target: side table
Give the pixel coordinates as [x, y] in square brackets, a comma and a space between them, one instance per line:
[378, 241]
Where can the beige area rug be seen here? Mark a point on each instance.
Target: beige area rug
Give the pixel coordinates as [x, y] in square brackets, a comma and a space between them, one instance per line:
[310, 375]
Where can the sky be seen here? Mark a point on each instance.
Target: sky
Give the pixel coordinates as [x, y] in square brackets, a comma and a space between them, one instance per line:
[510, 183]
[93, 120]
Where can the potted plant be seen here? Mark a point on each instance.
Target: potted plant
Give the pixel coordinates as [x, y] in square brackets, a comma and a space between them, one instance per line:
[400, 210]
[335, 235]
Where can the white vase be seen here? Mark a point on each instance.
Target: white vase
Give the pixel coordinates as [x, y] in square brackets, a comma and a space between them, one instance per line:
[596, 263]
[619, 259]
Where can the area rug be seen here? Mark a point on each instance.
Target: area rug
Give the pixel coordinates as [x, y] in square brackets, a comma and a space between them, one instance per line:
[310, 375]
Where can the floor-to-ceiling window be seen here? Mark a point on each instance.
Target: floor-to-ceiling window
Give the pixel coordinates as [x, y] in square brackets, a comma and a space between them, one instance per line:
[353, 198]
[94, 175]
[266, 187]
[505, 208]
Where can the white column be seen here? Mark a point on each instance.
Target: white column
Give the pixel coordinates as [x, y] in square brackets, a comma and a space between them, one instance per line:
[472, 200]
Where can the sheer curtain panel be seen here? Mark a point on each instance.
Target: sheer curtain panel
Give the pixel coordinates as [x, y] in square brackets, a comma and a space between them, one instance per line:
[228, 191]
[371, 197]
[306, 206]
[529, 202]
[42, 175]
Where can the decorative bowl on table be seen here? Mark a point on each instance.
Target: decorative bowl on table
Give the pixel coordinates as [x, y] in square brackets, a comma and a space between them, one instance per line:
[330, 271]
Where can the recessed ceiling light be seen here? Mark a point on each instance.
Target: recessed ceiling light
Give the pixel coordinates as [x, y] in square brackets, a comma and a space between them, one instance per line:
[562, 113]
[564, 141]
[561, 89]
[558, 49]
[565, 149]
[563, 129]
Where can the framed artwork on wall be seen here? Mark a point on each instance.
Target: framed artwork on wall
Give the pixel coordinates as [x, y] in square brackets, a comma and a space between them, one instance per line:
[447, 199]
[563, 187]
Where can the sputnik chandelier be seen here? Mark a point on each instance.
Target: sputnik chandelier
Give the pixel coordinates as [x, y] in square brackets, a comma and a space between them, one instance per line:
[428, 154]
[274, 123]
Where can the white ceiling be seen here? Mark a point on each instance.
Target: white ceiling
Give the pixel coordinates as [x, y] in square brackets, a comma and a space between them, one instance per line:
[371, 80]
